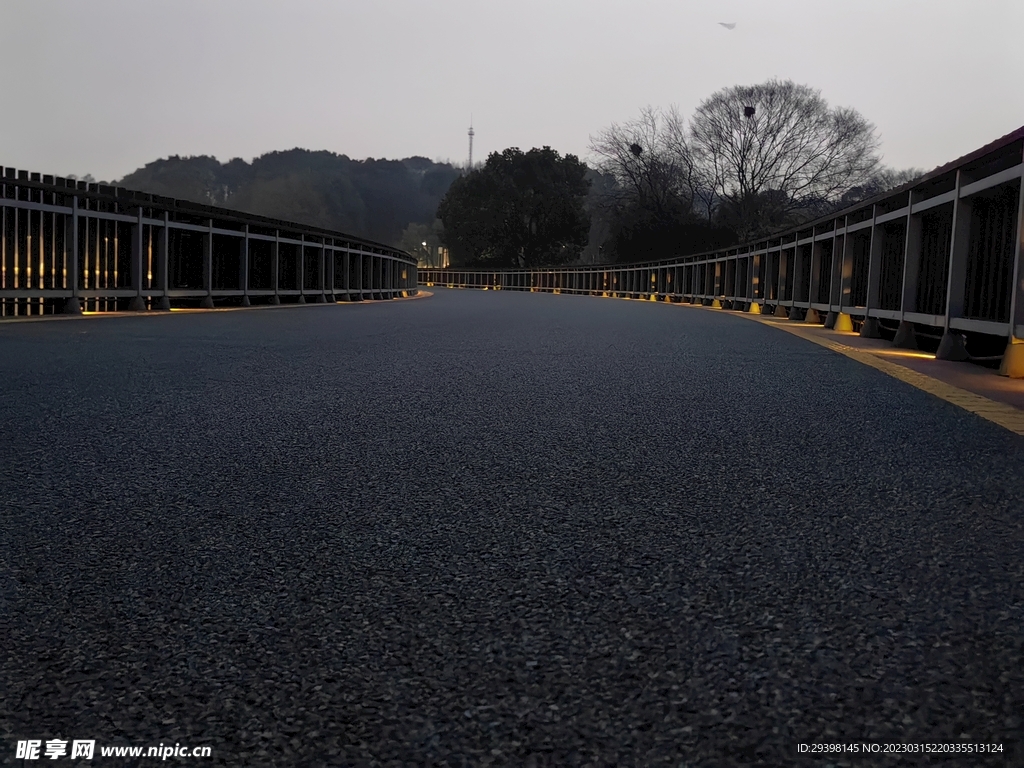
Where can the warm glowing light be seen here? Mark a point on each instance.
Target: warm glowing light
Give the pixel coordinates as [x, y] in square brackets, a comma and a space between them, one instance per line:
[902, 353]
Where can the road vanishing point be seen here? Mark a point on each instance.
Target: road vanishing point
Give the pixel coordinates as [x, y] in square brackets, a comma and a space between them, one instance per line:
[498, 528]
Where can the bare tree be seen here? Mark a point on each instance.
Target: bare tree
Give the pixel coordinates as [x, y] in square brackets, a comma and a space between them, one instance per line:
[779, 142]
[661, 201]
[649, 159]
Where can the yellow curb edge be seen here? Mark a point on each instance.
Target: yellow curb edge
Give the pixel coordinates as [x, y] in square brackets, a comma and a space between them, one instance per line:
[1005, 416]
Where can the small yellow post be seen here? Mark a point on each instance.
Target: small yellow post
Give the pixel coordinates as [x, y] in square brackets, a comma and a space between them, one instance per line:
[1013, 360]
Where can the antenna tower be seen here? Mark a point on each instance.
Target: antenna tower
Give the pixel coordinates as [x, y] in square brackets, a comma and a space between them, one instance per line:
[470, 143]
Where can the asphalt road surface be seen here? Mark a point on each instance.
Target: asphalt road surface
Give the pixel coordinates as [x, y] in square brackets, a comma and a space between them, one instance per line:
[498, 529]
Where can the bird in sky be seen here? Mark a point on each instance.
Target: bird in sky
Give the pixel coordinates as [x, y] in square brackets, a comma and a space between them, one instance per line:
[727, 25]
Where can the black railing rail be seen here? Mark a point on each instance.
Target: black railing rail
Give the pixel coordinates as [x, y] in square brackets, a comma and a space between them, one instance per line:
[66, 243]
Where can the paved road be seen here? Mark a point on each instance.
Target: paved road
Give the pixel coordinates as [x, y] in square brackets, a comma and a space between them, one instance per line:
[497, 528]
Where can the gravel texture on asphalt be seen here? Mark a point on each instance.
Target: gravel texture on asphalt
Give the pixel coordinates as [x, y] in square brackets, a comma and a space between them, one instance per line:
[496, 528]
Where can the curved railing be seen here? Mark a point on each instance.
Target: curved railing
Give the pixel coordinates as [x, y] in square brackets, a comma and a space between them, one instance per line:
[66, 245]
[938, 257]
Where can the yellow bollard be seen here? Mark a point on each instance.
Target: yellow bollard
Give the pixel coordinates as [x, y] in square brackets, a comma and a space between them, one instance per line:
[844, 323]
[1013, 360]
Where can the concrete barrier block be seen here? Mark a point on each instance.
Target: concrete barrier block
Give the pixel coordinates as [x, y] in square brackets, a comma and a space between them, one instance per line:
[754, 308]
[780, 311]
[952, 346]
[73, 306]
[812, 316]
[905, 338]
[869, 328]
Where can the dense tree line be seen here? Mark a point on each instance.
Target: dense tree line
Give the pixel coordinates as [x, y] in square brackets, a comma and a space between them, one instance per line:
[751, 160]
[376, 199]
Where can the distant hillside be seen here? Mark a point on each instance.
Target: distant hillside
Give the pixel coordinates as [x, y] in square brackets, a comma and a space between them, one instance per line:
[376, 199]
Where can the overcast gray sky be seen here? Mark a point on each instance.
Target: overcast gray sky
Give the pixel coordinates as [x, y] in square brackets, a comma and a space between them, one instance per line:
[105, 86]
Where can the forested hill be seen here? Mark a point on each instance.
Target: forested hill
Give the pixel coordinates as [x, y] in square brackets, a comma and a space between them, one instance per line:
[376, 199]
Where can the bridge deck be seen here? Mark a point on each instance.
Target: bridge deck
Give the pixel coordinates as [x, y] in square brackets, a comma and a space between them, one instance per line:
[508, 528]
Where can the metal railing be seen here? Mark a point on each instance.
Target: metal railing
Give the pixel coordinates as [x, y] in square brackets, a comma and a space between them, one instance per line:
[66, 246]
[941, 254]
